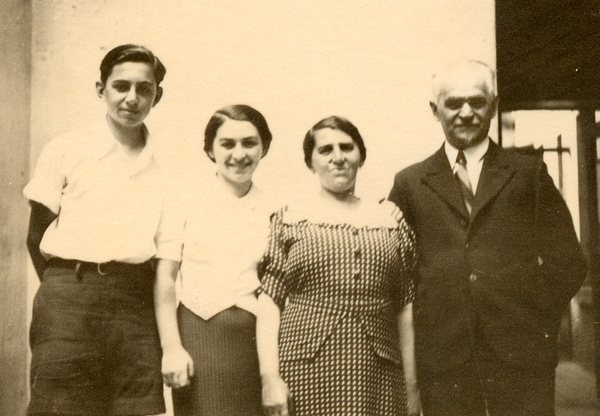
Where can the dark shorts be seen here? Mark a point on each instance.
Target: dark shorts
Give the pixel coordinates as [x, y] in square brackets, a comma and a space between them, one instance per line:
[94, 341]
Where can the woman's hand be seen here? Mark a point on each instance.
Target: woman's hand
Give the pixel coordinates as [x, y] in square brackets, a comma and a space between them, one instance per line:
[177, 367]
[275, 395]
[413, 402]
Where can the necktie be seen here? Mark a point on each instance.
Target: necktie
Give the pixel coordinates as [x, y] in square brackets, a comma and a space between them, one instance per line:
[460, 171]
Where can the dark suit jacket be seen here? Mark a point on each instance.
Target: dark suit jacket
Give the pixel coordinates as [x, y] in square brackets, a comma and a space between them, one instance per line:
[482, 274]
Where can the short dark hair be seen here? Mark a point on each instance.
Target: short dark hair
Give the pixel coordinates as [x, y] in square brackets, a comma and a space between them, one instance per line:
[335, 123]
[238, 112]
[131, 53]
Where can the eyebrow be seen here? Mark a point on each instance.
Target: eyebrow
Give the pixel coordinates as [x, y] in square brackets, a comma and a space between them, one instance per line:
[243, 138]
[129, 81]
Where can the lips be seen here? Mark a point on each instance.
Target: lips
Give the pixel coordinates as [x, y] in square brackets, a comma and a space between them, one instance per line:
[129, 111]
[239, 166]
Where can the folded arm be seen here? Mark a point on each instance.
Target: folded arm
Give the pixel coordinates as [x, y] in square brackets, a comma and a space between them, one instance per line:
[40, 219]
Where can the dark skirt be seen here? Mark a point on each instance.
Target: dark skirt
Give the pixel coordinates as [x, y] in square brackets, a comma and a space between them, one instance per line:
[226, 380]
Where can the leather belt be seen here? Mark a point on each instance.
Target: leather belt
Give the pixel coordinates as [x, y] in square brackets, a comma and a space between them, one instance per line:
[100, 268]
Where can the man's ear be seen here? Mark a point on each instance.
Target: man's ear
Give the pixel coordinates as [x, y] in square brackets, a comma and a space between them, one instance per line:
[159, 93]
[495, 106]
[434, 108]
[100, 89]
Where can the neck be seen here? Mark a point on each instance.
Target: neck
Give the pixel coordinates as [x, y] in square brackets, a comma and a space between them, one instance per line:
[132, 139]
[346, 198]
[237, 189]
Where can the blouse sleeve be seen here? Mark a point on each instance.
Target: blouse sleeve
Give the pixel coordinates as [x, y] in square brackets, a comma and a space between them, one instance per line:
[408, 259]
[171, 230]
[273, 267]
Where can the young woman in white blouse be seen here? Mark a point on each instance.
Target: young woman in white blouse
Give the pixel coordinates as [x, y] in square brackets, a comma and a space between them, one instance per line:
[216, 242]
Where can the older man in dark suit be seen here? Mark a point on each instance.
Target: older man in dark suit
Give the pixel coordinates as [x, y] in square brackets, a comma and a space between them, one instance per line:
[499, 261]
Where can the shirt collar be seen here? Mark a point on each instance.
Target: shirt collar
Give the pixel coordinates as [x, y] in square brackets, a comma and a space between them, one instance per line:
[220, 188]
[472, 154]
[104, 143]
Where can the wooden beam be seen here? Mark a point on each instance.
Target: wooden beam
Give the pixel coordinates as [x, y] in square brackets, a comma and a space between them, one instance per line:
[588, 207]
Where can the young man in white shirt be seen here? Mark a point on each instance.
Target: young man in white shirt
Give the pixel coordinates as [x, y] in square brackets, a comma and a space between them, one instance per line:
[96, 201]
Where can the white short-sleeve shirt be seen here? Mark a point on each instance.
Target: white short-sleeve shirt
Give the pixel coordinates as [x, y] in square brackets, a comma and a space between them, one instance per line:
[108, 204]
[219, 240]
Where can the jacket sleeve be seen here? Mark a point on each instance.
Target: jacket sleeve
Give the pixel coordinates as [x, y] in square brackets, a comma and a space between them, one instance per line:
[563, 266]
[398, 195]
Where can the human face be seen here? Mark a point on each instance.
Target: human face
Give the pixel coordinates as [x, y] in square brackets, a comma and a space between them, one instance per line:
[130, 93]
[336, 159]
[465, 109]
[237, 150]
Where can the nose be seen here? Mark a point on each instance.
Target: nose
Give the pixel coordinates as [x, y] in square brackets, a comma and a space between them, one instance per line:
[238, 152]
[337, 156]
[131, 97]
[466, 111]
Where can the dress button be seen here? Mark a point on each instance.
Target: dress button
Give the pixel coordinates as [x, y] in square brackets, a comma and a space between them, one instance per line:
[473, 278]
[357, 253]
[356, 274]
[355, 231]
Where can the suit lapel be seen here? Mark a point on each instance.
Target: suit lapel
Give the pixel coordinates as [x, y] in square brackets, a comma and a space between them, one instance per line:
[440, 179]
[495, 173]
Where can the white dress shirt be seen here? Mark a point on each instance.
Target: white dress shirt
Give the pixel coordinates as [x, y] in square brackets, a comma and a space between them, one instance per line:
[474, 156]
[219, 240]
[108, 204]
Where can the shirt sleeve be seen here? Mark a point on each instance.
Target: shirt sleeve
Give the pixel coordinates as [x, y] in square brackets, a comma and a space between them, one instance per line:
[273, 267]
[49, 178]
[408, 260]
[171, 228]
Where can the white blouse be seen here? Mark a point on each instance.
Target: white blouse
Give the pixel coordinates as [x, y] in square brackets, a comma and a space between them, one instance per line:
[219, 240]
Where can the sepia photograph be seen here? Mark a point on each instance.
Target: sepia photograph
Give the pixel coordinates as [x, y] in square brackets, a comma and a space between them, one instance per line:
[300, 208]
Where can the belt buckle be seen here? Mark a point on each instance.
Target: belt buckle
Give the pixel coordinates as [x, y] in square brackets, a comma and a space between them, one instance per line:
[99, 268]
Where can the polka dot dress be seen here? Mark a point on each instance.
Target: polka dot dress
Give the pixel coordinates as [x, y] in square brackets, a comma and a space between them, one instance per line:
[340, 289]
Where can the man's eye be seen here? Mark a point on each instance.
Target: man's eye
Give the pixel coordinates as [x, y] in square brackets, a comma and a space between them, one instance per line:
[145, 90]
[454, 104]
[477, 102]
[121, 86]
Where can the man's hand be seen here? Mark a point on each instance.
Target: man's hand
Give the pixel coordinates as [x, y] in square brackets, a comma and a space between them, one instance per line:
[393, 209]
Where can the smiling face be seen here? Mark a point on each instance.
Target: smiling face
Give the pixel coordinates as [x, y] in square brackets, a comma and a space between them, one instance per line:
[336, 159]
[237, 150]
[130, 92]
[465, 108]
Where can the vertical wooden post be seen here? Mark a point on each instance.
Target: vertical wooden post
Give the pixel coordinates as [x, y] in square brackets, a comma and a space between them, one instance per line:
[15, 114]
[588, 207]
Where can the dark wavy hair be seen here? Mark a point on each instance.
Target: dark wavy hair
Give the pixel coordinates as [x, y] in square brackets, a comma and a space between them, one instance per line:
[131, 53]
[238, 112]
[335, 123]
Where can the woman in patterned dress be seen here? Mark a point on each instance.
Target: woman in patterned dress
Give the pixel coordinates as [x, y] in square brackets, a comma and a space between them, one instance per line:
[334, 328]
